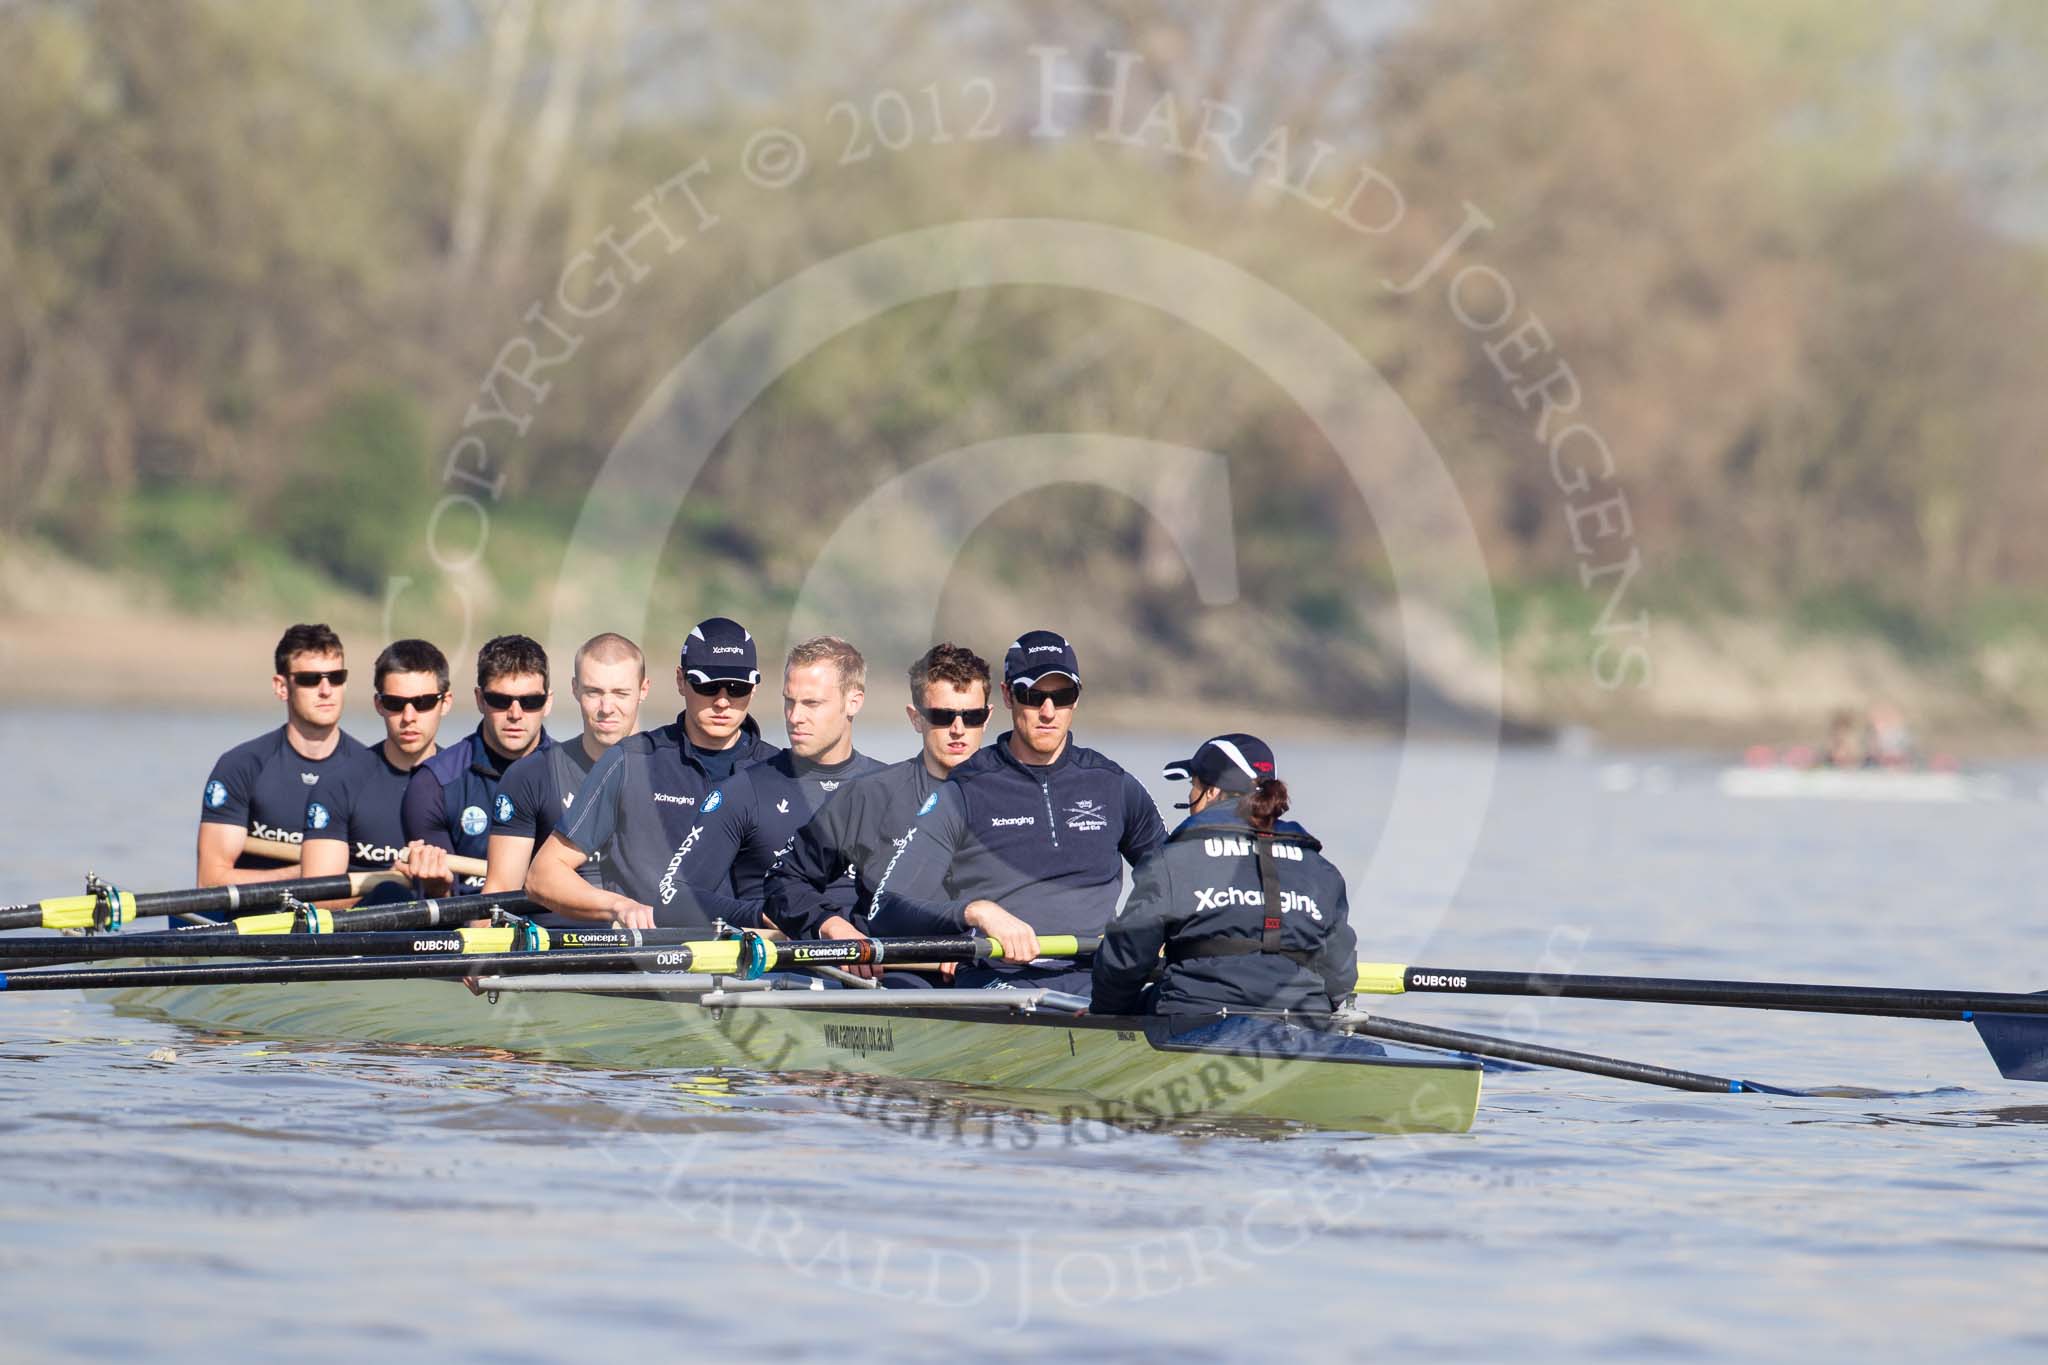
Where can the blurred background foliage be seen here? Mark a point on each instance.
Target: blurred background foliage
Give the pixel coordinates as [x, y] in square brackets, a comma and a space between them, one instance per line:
[254, 260]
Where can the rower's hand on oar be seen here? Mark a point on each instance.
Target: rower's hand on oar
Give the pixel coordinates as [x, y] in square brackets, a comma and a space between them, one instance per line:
[427, 864]
[1020, 943]
[628, 913]
[837, 927]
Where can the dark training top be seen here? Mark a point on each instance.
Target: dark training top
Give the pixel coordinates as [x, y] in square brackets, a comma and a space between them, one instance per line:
[754, 816]
[449, 801]
[536, 794]
[853, 840]
[361, 808]
[639, 807]
[1202, 900]
[1046, 843]
[264, 785]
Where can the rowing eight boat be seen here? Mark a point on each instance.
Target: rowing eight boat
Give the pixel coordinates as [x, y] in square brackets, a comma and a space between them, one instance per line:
[1031, 1048]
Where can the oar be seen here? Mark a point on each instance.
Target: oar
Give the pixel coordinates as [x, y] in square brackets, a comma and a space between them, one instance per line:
[227, 938]
[521, 937]
[285, 852]
[1379, 978]
[747, 956]
[2012, 1025]
[107, 907]
[1507, 1049]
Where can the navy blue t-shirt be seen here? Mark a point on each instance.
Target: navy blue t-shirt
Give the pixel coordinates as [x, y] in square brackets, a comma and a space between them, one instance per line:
[360, 807]
[263, 785]
[758, 812]
[536, 795]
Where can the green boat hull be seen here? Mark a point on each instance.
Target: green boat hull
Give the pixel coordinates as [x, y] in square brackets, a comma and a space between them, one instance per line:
[1132, 1071]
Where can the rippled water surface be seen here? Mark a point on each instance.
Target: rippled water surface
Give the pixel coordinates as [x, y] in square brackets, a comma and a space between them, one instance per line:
[330, 1200]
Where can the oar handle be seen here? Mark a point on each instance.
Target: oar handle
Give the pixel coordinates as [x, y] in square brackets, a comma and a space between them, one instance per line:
[757, 955]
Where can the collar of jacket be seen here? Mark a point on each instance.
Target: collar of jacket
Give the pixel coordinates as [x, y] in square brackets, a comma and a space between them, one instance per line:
[1222, 818]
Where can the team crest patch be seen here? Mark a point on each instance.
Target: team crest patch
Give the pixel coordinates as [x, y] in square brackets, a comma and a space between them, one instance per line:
[504, 805]
[929, 802]
[216, 794]
[474, 821]
[713, 801]
[1087, 816]
[316, 815]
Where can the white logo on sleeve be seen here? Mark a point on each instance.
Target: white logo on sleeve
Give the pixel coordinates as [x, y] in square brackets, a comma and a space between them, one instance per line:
[216, 794]
[667, 886]
[316, 815]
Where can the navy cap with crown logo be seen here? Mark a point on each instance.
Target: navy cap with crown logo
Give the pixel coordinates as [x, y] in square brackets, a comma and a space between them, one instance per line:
[720, 650]
[1038, 654]
[1232, 763]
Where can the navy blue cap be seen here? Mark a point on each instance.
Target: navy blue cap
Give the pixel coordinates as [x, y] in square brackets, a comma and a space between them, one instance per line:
[1232, 763]
[720, 650]
[1037, 654]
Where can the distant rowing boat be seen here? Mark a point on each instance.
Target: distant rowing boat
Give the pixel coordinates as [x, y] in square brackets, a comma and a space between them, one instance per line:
[1754, 782]
[1031, 1048]
[1860, 784]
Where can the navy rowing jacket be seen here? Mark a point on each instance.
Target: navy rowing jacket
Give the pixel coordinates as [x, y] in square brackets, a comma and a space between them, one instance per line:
[645, 805]
[1048, 844]
[451, 796]
[1204, 885]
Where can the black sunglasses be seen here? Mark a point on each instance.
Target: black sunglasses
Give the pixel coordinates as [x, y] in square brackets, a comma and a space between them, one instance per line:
[505, 701]
[1034, 697]
[313, 678]
[732, 687]
[943, 717]
[395, 705]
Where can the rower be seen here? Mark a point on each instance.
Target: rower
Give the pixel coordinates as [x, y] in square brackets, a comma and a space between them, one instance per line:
[1250, 914]
[1030, 836]
[261, 788]
[609, 681]
[753, 816]
[640, 805]
[449, 798]
[857, 836]
[353, 824]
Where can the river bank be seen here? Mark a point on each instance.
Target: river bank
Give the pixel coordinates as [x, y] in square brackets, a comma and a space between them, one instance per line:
[80, 635]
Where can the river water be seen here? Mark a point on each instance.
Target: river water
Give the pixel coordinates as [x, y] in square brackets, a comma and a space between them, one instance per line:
[331, 1201]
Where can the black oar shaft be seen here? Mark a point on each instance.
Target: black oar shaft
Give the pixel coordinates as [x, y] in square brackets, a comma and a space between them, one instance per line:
[371, 943]
[247, 898]
[1764, 995]
[1421, 1035]
[348, 969]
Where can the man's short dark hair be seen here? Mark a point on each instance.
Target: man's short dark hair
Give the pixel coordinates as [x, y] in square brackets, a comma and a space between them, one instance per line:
[507, 655]
[948, 663]
[411, 656]
[305, 639]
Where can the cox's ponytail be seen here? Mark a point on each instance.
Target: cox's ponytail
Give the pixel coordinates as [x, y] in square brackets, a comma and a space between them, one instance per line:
[1264, 803]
